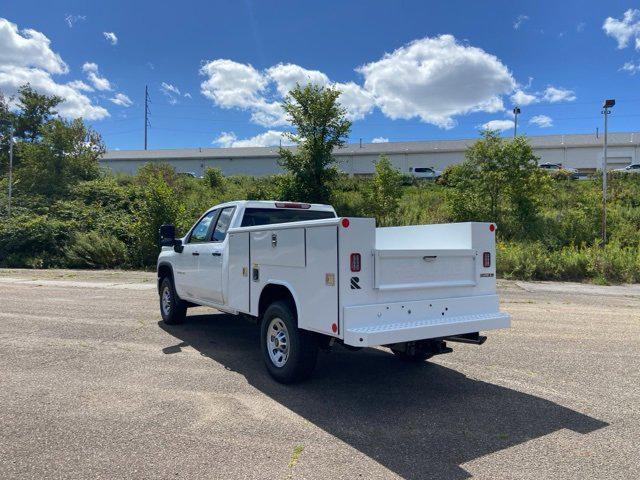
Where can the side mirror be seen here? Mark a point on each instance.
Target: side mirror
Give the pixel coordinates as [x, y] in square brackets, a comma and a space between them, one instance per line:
[167, 235]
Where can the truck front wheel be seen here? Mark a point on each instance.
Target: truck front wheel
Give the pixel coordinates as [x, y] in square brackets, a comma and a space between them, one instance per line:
[172, 308]
[289, 353]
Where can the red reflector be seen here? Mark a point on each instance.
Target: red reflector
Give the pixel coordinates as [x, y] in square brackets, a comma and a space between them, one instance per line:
[492, 227]
[334, 327]
[486, 259]
[355, 262]
[293, 205]
[345, 222]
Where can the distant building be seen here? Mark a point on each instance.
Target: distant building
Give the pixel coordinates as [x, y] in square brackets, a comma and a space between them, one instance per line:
[581, 151]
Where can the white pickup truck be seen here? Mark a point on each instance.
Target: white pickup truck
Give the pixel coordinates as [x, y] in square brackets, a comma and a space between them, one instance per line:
[313, 279]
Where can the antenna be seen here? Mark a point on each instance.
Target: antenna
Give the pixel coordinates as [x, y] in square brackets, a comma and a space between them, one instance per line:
[146, 114]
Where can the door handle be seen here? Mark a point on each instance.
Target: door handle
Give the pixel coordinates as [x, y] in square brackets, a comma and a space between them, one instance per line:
[216, 254]
[195, 253]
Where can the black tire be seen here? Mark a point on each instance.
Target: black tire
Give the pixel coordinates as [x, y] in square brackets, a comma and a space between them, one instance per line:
[411, 357]
[301, 347]
[175, 311]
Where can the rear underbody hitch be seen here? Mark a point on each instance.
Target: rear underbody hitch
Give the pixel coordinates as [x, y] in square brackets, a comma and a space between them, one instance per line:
[437, 346]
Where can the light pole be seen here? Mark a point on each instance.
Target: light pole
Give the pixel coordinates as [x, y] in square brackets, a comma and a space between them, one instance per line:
[608, 104]
[7, 122]
[516, 111]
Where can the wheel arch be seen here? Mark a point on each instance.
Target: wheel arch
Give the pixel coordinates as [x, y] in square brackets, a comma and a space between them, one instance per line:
[277, 291]
[165, 269]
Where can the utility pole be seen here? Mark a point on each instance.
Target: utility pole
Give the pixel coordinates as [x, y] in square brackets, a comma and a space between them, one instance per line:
[516, 111]
[146, 114]
[10, 169]
[606, 111]
[7, 122]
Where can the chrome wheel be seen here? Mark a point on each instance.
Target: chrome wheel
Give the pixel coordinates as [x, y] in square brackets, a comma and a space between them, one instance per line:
[166, 301]
[278, 342]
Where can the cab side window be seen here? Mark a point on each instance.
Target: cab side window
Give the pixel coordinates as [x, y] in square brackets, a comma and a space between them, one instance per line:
[199, 232]
[220, 232]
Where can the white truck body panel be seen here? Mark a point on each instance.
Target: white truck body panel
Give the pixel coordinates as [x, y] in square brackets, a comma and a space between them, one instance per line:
[414, 283]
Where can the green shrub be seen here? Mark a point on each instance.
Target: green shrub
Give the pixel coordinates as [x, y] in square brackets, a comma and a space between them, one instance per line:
[214, 179]
[33, 241]
[96, 250]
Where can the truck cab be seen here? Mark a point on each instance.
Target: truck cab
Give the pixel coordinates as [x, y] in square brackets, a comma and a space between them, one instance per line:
[313, 279]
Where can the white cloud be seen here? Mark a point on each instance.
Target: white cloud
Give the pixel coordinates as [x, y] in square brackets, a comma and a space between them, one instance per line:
[436, 79]
[270, 138]
[187, 95]
[433, 79]
[26, 57]
[169, 88]
[580, 27]
[122, 100]
[522, 98]
[624, 30]
[170, 91]
[74, 103]
[28, 48]
[100, 83]
[380, 140]
[631, 68]
[286, 76]
[500, 125]
[542, 121]
[231, 84]
[73, 19]
[111, 37]
[520, 19]
[554, 94]
[80, 85]
[358, 101]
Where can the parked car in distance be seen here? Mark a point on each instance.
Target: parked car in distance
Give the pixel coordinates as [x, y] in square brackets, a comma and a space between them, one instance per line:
[312, 279]
[189, 174]
[558, 167]
[633, 168]
[427, 173]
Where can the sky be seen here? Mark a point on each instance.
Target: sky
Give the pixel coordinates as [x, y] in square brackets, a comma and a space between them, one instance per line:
[216, 71]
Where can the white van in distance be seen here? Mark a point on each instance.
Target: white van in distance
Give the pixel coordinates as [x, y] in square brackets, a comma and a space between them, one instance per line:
[312, 279]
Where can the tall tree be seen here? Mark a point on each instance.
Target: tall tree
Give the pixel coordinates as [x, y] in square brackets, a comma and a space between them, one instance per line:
[499, 181]
[384, 191]
[321, 126]
[36, 110]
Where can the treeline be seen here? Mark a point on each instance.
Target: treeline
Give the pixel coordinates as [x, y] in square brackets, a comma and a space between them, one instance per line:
[66, 212]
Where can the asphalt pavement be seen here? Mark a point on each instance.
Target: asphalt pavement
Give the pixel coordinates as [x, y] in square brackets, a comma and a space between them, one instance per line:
[95, 385]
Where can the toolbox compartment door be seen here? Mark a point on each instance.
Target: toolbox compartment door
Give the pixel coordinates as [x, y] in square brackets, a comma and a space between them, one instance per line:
[415, 269]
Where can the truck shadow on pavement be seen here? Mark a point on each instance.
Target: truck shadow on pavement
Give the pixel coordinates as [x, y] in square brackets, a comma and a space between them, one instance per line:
[420, 421]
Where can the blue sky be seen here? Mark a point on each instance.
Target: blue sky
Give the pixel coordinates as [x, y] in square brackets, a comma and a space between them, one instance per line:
[409, 70]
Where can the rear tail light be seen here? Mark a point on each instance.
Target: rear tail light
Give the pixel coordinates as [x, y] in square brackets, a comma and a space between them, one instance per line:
[486, 259]
[355, 262]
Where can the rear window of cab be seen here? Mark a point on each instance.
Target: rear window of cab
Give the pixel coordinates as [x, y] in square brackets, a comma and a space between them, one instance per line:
[266, 216]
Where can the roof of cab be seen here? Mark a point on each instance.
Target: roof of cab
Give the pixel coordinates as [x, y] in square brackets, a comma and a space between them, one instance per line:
[272, 204]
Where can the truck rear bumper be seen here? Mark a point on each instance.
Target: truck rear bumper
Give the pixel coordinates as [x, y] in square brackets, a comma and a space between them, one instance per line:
[383, 324]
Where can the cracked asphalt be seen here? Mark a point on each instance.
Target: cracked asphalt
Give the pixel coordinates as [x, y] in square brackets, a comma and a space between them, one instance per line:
[94, 385]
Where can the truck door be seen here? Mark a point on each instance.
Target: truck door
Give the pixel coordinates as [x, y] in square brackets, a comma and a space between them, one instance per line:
[211, 260]
[187, 262]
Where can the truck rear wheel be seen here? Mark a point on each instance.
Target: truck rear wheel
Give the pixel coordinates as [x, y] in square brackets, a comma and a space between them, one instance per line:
[289, 353]
[172, 308]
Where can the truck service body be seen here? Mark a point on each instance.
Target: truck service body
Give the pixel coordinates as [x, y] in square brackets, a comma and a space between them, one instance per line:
[331, 279]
